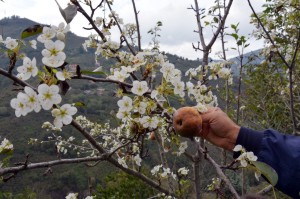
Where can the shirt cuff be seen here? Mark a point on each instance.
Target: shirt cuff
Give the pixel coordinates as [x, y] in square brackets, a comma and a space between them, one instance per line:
[249, 139]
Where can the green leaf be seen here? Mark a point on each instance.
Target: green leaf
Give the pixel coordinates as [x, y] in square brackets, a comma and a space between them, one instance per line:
[216, 20]
[7, 152]
[267, 171]
[32, 31]
[86, 72]
[79, 104]
[235, 36]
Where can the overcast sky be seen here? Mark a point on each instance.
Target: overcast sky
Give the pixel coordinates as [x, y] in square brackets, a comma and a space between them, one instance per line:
[179, 22]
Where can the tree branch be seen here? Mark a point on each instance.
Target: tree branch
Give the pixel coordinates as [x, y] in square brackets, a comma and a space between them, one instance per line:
[137, 26]
[30, 166]
[220, 173]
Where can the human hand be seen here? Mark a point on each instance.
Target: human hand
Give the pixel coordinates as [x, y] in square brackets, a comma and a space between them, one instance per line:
[219, 129]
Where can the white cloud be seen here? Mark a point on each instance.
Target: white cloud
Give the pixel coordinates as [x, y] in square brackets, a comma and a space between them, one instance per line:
[179, 22]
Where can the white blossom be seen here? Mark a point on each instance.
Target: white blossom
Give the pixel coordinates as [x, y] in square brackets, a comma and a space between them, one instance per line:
[122, 162]
[140, 107]
[28, 68]
[11, 43]
[48, 96]
[183, 171]
[137, 159]
[125, 104]
[118, 75]
[250, 156]
[6, 145]
[32, 99]
[123, 114]
[64, 75]
[48, 34]
[237, 148]
[20, 104]
[149, 122]
[72, 196]
[139, 88]
[182, 147]
[63, 115]
[201, 108]
[33, 43]
[156, 169]
[179, 88]
[53, 54]
[167, 70]
[243, 160]
[98, 21]
[61, 30]
[165, 173]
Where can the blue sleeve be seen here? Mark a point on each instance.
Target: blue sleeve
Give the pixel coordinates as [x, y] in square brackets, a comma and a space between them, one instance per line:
[280, 151]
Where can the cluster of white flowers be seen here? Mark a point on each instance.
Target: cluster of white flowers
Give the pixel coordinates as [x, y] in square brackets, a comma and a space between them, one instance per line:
[107, 49]
[6, 145]
[130, 30]
[221, 70]
[9, 42]
[245, 156]
[201, 108]
[60, 147]
[201, 94]
[149, 122]
[183, 171]
[125, 107]
[182, 147]
[162, 172]
[50, 127]
[53, 31]
[47, 97]
[25, 103]
[122, 162]
[115, 15]
[91, 42]
[99, 21]
[156, 169]
[75, 195]
[137, 159]
[118, 75]
[215, 185]
[53, 54]
[173, 75]
[193, 72]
